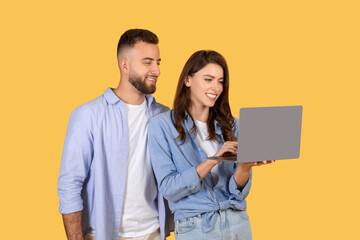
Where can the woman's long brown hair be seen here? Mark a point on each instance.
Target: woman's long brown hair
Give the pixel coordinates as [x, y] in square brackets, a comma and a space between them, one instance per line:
[220, 111]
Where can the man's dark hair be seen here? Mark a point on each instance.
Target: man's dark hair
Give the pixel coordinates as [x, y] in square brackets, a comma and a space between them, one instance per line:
[133, 36]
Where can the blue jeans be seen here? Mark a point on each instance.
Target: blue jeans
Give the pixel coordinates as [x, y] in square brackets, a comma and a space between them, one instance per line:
[229, 224]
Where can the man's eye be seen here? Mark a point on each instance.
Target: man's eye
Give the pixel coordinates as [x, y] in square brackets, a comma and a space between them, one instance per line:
[158, 63]
[147, 63]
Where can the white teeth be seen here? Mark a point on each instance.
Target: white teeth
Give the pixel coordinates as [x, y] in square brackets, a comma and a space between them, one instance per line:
[151, 79]
[211, 95]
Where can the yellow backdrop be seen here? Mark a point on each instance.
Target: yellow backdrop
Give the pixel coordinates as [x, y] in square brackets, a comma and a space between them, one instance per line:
[56, 55]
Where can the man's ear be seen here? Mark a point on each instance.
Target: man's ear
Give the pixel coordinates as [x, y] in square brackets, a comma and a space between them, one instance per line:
[123, 64]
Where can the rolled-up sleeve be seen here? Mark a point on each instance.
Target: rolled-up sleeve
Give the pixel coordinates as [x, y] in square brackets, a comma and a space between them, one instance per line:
[172, 184]
[76, 159]
[235, 192]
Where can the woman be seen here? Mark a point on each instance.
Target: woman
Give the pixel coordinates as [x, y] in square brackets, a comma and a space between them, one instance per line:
[206, 196]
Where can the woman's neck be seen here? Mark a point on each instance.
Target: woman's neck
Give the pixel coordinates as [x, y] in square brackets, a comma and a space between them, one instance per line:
[199, 113]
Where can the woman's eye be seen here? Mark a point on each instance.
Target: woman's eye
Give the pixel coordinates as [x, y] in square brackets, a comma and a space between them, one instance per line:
[208, 79]
[221, 82]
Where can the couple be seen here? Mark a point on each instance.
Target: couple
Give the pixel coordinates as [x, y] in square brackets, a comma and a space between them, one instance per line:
[107, 186]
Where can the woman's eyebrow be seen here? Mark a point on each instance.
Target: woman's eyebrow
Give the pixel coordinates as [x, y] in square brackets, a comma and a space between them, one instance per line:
[208, 75]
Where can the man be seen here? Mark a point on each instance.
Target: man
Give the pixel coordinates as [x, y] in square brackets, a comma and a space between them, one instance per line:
[106, 185]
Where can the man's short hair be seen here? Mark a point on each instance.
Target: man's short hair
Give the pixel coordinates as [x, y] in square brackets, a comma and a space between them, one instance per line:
[133, 36]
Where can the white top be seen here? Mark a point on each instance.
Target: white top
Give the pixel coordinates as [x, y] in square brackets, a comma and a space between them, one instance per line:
[209, 147]
[139, 216]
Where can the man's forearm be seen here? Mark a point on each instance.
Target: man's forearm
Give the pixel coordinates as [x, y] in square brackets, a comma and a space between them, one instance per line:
[72, 224]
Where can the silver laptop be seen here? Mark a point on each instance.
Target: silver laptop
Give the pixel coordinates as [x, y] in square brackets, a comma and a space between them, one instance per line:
[268, 133]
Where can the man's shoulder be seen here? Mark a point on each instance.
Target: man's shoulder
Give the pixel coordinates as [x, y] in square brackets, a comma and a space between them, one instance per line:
[89, 110]
[91, 105]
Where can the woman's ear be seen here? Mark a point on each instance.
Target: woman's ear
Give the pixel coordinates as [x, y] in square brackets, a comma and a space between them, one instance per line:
[188, 81]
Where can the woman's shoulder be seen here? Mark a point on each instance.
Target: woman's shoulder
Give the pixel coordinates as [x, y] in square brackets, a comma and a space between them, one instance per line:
[236, 122]
[164, 118]
[236, 126]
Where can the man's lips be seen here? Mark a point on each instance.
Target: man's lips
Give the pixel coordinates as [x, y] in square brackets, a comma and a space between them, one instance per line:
[152, 79]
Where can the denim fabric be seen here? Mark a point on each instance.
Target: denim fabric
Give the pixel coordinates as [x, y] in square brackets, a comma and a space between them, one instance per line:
[175, 170]
[228, 224]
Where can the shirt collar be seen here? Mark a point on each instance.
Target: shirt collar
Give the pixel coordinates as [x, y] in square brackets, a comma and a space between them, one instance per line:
[149, 99]
[111, 97]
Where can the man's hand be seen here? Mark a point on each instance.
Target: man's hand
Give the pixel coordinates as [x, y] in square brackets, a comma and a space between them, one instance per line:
[72, 224]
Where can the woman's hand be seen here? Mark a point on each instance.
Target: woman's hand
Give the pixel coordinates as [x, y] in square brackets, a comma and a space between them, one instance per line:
[205, 167]
[249, 165]
[242, 173]
[229, 148]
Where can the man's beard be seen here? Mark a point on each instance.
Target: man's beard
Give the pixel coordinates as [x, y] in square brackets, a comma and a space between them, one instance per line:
[139, 83]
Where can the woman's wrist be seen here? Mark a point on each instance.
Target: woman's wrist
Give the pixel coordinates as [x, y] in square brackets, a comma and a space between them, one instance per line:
[244, 168]
[213, 162]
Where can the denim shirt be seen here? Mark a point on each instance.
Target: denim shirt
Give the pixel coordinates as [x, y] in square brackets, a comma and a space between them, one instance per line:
[175, 170]
[94, 162]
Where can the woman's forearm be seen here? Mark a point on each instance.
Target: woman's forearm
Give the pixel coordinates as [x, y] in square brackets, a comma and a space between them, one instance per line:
[205, 167]
[241, 176]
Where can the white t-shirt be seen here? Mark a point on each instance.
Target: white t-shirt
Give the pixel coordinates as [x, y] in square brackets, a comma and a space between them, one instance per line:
[209, 147]
[139, 216]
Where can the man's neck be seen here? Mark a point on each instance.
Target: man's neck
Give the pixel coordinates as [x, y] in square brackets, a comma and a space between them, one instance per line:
[128, 94]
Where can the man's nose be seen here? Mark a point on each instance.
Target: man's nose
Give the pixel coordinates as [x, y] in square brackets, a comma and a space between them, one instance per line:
[155, 70]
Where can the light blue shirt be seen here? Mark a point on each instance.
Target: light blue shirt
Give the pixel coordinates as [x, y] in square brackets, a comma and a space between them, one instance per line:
[94, 162]
[175, 170]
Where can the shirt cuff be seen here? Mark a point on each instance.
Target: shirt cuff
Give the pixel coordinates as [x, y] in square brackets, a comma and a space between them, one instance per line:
[70, 208]
[240, 195]
[191, 179]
